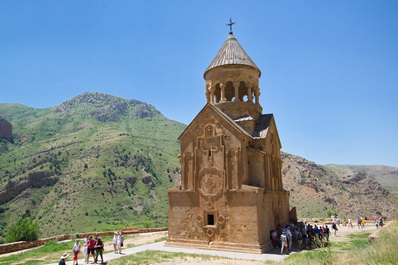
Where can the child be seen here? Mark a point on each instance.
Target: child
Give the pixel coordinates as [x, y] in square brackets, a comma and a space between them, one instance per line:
[76, 251]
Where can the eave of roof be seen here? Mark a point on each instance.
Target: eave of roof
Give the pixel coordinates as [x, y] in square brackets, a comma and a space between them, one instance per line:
[231, 121]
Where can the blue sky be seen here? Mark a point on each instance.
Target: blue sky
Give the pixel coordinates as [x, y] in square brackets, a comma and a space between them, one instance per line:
[329, 68]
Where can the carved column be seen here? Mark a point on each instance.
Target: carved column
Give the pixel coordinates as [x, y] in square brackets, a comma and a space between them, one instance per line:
[208, 93]
[239, 169]
[222, 86]
[183, 173]
[249, 93]
[257, 95]
[211, 95]
[236, 86]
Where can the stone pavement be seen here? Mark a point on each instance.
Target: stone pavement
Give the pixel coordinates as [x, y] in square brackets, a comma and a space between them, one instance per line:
[273, 255]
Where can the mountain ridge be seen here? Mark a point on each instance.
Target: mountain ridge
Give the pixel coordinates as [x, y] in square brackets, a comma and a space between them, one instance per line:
[101, 162]
[126, 157]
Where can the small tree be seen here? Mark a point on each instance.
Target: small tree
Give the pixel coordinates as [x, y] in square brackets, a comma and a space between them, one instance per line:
[331, 213]
[24, 230]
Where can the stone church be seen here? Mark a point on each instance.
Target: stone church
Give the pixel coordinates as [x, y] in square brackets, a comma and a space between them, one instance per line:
[231, 194]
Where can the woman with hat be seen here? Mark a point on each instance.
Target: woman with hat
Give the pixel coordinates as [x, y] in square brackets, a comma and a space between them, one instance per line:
[63, 258]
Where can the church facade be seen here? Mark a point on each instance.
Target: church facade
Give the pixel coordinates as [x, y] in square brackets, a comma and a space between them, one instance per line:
[231, 193]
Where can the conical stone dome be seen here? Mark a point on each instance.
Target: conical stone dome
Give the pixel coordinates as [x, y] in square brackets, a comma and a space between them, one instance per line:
[231, 53]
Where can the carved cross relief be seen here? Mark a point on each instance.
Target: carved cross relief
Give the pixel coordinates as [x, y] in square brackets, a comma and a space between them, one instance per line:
[209, 145]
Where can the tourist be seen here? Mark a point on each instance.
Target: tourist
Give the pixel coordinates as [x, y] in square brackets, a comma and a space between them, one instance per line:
[289, 238]
[114, 241]
[76, 251]
[284, 243]
[321, 232]
[326, 232]
[363, 222]
[381, 221]
[119, 243]
[63, 258]
[99, 250]
[304, 235]
[338, 221]
[359, 221]
[85, 248]
[311, 235]
[90, 248]
[299, 237]
[317, 231]
[350, 223]
[334, 227]
[274, 235]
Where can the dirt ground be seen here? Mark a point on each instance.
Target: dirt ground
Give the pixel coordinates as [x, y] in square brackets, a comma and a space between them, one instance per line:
[142, 239]
[211, 262]
[344, 231]
[341, 235]
[136, 240]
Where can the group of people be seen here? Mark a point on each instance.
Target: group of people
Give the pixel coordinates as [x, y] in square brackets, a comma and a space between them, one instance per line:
[360, 221]
[94, 247]
[379, 221]
[302, 235]
[91, 246]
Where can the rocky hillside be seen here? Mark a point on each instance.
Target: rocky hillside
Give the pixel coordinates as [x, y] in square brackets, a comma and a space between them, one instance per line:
[386, 176]
[5, 129]
[95, 162]
[317, 189]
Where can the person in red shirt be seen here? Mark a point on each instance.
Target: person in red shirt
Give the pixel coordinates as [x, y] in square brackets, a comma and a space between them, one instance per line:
[90, 248]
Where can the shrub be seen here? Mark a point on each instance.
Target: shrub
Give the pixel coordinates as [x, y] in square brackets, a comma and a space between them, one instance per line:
[24, 230]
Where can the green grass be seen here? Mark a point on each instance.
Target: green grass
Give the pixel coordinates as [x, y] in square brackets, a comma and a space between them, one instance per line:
[359, 240]
[51, 250]
[155, 257]
[316, 256]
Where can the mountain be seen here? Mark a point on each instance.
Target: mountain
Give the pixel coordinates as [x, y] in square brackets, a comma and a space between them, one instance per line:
[95, 162]
[386, 176]
[317, 189]
[100, 162]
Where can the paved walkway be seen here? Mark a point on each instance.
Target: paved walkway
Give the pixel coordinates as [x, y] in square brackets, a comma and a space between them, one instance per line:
[273, 255]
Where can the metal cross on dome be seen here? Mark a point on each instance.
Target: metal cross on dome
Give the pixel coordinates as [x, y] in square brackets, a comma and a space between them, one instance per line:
[230, 25]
